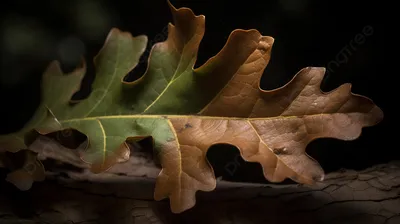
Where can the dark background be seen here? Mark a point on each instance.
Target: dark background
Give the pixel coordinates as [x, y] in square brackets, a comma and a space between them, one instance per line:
[307, 33]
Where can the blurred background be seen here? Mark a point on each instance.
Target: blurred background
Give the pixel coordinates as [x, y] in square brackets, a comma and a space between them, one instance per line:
[346, 38]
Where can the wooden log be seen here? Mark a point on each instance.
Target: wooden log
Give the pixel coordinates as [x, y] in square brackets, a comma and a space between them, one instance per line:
[124, 194]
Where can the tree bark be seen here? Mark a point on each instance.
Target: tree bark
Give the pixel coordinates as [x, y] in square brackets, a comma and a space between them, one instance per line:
[76, 196]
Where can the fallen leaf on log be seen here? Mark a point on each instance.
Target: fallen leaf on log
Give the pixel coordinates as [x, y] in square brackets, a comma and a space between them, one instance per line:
[186, 110]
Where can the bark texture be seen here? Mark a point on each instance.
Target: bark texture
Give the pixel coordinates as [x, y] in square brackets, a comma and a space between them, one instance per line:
[76, 196]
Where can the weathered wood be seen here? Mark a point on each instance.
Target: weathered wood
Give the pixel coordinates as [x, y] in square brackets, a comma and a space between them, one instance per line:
[118, 196]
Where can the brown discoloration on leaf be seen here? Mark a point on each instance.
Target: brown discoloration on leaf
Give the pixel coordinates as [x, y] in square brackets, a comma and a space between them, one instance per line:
[184, 169]
[303, 96]
[278, 144]
[300, 97]
[239, 73]
[280, 151]
[187, 125]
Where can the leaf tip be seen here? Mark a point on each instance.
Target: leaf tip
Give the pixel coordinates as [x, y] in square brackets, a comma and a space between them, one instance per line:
[172, 7]
[20, 179]
[54, 68]
[183, 10]
[270, 40]
[116, 31]
[377, 115]
[319, 70]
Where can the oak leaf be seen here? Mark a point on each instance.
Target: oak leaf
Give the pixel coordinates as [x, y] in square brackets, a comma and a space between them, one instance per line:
[186, 110]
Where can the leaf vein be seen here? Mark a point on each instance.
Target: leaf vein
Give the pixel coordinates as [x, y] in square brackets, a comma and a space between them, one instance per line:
[170, 83]
[104, 139]
[179, 155]
[262, 141]
[107, 89]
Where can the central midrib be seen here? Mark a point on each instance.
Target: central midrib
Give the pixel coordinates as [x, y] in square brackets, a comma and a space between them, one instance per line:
[185, 116]
[109, 84]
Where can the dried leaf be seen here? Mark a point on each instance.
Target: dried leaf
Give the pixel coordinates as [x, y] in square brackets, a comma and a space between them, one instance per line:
[26, 169]
[187, 110]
